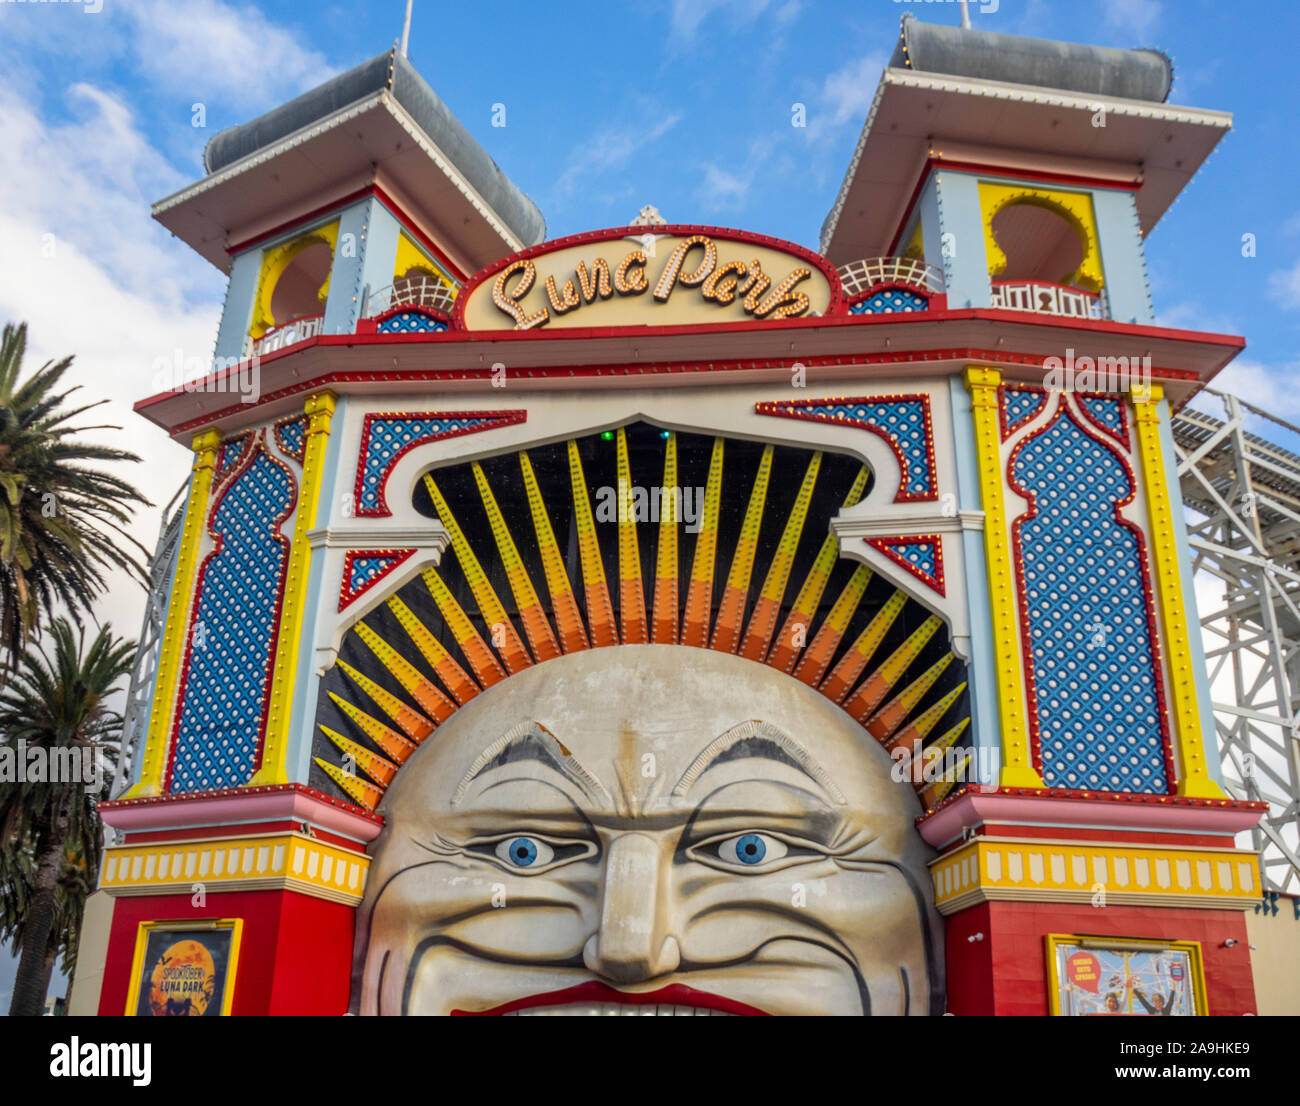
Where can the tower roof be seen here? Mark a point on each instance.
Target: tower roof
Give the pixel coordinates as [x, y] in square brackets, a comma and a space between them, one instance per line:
[398, 132]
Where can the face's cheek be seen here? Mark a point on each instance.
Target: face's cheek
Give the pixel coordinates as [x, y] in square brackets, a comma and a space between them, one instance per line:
[451, 932]
[808, 939]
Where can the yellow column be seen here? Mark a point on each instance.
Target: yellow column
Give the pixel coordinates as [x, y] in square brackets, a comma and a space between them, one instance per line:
[1017, 762]
[320, 410]
[1186, 718]
[178, 618]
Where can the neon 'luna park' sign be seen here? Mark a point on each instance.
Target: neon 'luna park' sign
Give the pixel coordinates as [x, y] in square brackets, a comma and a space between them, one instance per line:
[649, 276]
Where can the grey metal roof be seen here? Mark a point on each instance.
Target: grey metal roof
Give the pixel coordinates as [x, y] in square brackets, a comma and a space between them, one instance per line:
[1044, 63]
[389, 71]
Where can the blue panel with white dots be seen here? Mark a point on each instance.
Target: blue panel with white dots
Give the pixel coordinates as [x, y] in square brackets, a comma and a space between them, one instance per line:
[219, 726]
[411, 322]
[1019, 405]
[890, 300]
[389, 437]
[1094, 664]
[903, 422]
[1108, 413]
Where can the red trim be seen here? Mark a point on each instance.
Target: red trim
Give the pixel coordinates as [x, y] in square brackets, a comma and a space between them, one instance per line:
[1095, 835]
[1144, 797]
[246, 829]
[240, 792]
[884, 545]
[218, 544]
[675, 994]
[616, 369]
[346, 596]
[289, 226]
[1144, 571]
[782, 409]
[683, 230]
[496, 420]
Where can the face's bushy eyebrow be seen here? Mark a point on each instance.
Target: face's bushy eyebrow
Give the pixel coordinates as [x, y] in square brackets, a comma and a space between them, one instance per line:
[762, 740]
[531, 741]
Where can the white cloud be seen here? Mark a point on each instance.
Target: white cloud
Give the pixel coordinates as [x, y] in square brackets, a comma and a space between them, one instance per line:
[610, 150]
[207, 49]
[1284, 287]
[1134, 17]
[848, 91]
[687, 15]
[1270, 388]
[94, 277]
[721, 189]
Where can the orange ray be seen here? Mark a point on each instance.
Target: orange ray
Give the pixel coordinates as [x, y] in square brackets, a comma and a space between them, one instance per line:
[845, 673]
[889, 717]
[664, 618]
[444, 665]
[410, 720]
[819, 653]
[484, 662]
[600, 612]
[564, 604]
[863, 702]
[631, 592]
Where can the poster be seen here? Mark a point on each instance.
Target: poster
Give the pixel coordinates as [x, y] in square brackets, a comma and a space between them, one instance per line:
[184, 969]
[1093, 979]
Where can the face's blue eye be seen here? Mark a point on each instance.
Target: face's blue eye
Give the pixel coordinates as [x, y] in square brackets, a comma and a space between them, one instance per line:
[751, 849]
[524, 852]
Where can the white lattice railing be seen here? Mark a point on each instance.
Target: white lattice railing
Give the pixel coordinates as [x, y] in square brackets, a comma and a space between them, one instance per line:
[413, 292]
[860, 276]
[1048, 299]
[299, 330]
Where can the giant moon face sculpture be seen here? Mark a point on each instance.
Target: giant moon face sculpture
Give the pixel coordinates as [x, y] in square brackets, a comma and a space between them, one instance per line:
[649, 829]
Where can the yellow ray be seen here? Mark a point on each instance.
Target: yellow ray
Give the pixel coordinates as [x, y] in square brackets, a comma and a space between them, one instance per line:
[819, 653]
[371, 763]
[731, 611]
[502, 630]
[664, 618]
[846, 672]
[863, 702]
[362, 793]
[564, 604]
[600, 612]
[484, 662]
[794, 635]
[394, 744]
[411, 721]
[529, 606]
[699, 593]
[423, 690]
[767, 608]
[890, 716]
[455, 678]
[631, 592]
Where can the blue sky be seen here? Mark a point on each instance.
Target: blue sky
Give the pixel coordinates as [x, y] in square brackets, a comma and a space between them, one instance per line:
[685, 104]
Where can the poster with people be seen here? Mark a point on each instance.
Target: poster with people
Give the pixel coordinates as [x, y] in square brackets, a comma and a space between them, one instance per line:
[1123, 980]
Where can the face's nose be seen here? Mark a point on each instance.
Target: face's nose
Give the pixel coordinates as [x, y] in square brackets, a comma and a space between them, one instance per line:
[633, 942]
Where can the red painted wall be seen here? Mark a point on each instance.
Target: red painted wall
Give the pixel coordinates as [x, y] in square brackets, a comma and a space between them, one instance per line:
[295, 954]
[1006, 973]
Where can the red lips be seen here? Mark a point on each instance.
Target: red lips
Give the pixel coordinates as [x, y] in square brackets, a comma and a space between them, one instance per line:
[594, 991]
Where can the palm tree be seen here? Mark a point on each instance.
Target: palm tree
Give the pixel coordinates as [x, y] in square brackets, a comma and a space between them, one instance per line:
[50, 832]
[62, 520]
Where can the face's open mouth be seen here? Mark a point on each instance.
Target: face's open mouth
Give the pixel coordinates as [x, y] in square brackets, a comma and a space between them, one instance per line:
[598, 999]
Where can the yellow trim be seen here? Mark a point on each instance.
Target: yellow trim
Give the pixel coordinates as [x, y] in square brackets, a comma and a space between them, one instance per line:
[276, 260]
[1054, 940]
[178, 617]
[1017, 762]
[916, 244]
[235, 925]
[410, 256]
[990, 869]
[256, 862]
[320, 409]
[1186, 716]
[1074, 207]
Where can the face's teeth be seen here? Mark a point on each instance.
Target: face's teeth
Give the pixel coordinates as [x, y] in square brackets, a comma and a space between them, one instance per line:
[619, 1010]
